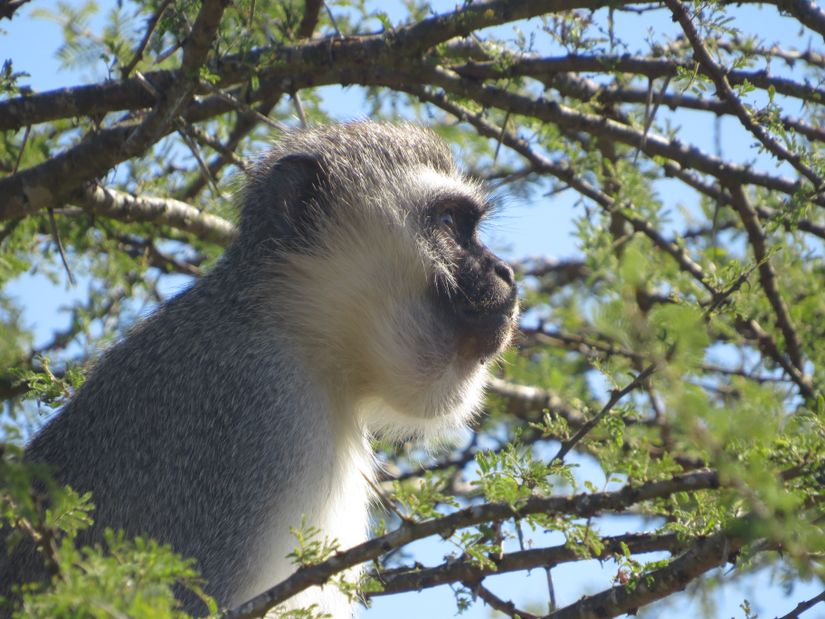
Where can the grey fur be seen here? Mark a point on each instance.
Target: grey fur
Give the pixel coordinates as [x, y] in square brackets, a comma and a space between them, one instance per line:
[232, 407]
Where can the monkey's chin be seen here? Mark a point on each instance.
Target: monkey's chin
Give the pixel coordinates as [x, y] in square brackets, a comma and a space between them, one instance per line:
[481, 336]
[434, 411]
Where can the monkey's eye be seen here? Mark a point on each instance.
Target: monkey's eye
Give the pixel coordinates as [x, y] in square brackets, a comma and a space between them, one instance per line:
[447, 220]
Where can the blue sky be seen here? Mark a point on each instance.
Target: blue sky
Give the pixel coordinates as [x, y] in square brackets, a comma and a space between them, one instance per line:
[543, 227]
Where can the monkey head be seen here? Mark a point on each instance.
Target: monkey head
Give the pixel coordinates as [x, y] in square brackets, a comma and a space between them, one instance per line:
[372, 267]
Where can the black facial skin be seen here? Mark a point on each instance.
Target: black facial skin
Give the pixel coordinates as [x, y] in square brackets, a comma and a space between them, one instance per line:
[481, 305]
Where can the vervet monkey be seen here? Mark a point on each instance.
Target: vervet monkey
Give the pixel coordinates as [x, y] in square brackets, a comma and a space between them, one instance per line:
[356, 300]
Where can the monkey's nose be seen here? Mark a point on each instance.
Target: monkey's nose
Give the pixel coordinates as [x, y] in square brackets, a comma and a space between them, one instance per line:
[504, 271]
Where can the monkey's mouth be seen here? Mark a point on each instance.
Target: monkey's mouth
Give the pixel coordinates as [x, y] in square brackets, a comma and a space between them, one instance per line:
[484, 332]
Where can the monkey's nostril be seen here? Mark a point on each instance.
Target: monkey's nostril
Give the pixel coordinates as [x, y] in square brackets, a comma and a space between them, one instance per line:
[505, 272]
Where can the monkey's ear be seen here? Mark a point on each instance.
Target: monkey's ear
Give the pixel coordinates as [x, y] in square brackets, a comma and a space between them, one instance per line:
[286, 200]
[301, 178]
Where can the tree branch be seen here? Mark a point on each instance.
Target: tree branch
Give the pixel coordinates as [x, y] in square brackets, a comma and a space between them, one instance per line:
[651, 144]
[495, 602]
[767, 276]
[581, 505]
[309, 21]
[417, 578]
[806, 12]
[36, 188]
[724, 91]
[9, 7]
[166, 211]
[195, 52]
[546, 68]
[698, 559]
[310, 62]
[804, 606]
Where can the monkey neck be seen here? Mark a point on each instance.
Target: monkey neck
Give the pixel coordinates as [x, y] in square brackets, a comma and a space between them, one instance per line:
[330, 463]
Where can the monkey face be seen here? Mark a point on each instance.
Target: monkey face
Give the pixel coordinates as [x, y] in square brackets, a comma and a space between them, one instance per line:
[376, 275]
[477, 291]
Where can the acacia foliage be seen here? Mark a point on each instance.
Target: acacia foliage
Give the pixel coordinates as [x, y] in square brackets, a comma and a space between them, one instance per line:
[677, 353]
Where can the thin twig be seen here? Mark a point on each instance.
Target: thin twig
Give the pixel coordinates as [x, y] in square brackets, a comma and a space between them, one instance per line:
[240, 106]
[22, 148]
[150, 29]
[767, 276]
[615, 396]
[299, 109]
[495, 602]
[183, 132]
[60, 249]
[332, 20]
[804, 606]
